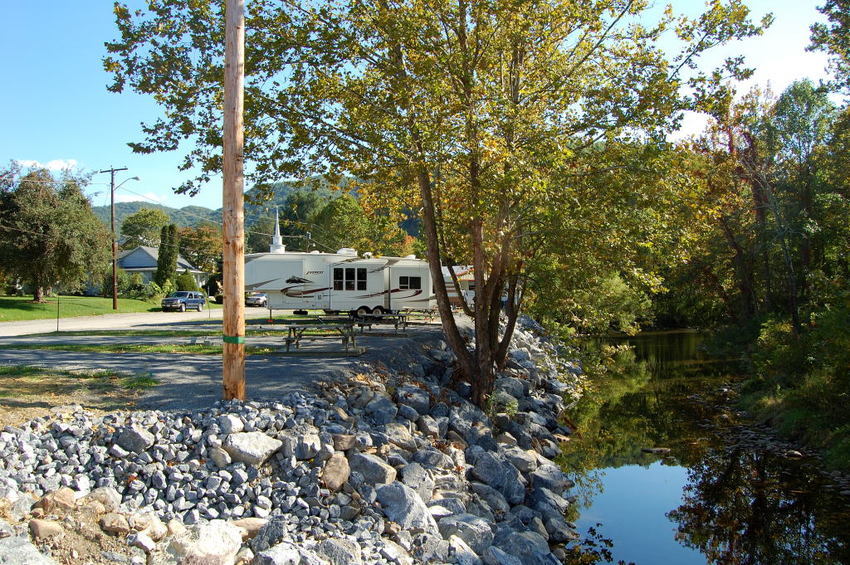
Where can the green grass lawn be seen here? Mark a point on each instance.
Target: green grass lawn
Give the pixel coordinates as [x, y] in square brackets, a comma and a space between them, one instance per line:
[16, 308]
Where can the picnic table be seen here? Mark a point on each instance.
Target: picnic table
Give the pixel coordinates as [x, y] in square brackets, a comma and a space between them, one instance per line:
[398, 320]
[296, 333]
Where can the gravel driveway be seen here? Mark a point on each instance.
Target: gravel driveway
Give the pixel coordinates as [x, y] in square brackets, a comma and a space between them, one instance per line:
[195, 381]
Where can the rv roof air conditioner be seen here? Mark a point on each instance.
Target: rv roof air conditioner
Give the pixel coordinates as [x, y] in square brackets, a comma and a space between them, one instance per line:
[410, 256]
[347, 251]
[315, 252]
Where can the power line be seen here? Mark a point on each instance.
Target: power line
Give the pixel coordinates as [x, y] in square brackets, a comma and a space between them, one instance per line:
[209, 220]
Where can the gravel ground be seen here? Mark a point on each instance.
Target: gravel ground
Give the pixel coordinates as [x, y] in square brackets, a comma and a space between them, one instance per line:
[194, 381]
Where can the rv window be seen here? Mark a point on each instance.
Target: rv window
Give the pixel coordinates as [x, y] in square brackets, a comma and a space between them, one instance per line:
[410, 283]
[349, 278]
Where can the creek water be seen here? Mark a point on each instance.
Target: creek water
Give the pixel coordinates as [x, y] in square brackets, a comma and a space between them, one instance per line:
[716, 489]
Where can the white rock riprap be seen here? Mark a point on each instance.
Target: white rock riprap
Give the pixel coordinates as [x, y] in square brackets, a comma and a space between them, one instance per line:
[385, 468]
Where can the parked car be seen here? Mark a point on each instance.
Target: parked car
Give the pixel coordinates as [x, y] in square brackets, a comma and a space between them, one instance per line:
[260, 299]
[183, 300]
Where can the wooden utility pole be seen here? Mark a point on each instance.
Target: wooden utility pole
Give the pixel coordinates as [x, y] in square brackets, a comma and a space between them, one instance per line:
[112, 171]
[232, 205]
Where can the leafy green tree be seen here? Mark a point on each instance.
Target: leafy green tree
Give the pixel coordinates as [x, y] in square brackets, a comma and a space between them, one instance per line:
[201, 246]
[831, 36]
[258, 235]
[343, 222]
[143, 228]
[465, 110]
[48, 232]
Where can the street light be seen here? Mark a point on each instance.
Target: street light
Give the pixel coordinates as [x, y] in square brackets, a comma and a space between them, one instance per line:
[113, 188]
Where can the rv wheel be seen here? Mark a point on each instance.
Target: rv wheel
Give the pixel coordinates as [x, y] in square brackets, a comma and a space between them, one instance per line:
[378, 311]
[362, 312]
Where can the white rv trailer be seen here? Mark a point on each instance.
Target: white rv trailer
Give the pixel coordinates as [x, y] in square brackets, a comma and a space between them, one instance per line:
[340, 282]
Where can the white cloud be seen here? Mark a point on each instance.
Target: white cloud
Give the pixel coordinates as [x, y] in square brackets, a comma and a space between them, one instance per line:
[54, 165]
[146, 197]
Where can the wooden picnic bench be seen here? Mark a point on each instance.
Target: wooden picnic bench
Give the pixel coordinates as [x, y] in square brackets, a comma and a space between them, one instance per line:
[399, 320]
[296, 333]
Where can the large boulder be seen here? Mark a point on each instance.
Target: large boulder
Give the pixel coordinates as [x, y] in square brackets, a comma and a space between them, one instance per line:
[340, 551]
[399, 435]
[419, 479]
[212, 543]
[495, 556]
[307, 446]
[432, 457]
[494, 499]
[286, 553]
[135, 439]
[530, 547]
[525, 460]
[414, 397]
[472, 425]
[461, 553]
[336, 471]
[374, 470]
[513, 386]
[230, 424]
[402, 505]
[500, 475]
[551, 477]
[547, 502]
[381, 409]
[471, 529]
[251, 448]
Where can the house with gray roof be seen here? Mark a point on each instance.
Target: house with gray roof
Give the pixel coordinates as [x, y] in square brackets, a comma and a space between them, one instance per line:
[143, 259]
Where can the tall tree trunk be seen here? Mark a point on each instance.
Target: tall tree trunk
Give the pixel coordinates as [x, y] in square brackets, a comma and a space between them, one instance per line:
[38, 294]
[453, 337]
[512, 310]
[743, 273]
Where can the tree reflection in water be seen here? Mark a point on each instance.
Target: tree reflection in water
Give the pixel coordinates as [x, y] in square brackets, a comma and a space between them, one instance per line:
[746, 506]
[742, 504]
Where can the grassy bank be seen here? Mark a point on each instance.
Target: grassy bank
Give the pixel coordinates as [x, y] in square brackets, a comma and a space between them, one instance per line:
[801, 383]
[16, 308]
[807, 414]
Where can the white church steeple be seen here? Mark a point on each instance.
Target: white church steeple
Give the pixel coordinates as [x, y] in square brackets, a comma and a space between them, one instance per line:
[277, 245]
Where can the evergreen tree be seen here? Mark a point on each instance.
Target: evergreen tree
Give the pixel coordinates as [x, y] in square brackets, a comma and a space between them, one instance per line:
[166, 263]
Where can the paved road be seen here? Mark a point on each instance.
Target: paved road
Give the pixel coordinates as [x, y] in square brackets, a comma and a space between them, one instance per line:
[134, 321]
[139, 320]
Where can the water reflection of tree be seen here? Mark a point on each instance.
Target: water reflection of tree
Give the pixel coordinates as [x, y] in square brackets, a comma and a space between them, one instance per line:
[626, 412]
[740, 507]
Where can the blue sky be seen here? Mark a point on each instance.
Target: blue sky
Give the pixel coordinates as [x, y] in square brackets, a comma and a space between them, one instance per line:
[55, 109]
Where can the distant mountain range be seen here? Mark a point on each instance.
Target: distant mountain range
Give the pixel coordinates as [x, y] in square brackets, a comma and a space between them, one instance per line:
[194, 215]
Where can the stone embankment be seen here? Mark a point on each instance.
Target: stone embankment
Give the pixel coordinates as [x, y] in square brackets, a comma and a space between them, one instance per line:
[385, 466]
